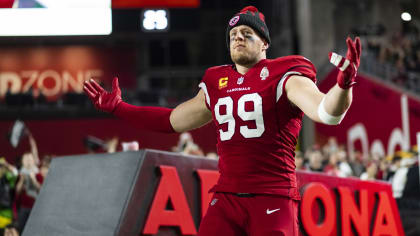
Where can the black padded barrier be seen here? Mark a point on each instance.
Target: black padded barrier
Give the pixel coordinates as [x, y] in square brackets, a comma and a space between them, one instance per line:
[84, 195]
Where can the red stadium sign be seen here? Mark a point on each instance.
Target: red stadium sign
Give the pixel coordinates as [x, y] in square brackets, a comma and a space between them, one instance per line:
[54, 71]
[50, 83]
[329, 206]
[154, 3]
[352, 215]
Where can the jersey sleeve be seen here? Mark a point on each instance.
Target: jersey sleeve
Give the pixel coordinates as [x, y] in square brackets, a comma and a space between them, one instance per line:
[204, 85]
[301, 66]
[295, 65]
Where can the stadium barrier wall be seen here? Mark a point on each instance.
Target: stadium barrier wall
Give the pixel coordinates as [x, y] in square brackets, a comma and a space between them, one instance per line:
[161, 193]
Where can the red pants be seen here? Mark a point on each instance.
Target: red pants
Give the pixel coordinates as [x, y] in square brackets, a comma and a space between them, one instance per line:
[255, 215]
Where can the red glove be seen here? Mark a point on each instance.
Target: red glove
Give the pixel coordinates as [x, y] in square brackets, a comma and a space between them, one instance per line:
[103, 100]
[348, 66]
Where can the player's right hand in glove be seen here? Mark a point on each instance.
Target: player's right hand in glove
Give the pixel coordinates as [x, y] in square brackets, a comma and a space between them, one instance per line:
[348, 66]
[102, 99]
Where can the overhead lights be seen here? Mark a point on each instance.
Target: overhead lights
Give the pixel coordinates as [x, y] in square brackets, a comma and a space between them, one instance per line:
[405, 16]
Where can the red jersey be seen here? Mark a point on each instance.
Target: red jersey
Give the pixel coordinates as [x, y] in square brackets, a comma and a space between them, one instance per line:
[257, 126]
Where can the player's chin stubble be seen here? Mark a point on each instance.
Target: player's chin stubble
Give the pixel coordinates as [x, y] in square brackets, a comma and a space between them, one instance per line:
[243, 58]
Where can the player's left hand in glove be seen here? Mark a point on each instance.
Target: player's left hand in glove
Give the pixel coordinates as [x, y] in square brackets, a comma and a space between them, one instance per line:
[348, 66]
[102, 99]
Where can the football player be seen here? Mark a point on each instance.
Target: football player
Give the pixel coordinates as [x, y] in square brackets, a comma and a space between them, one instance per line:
[257, 105]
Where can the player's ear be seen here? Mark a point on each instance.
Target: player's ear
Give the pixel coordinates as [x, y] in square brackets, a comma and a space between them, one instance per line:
[265, 45]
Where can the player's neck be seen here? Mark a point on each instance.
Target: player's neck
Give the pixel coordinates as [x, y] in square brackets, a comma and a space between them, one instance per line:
[243, 69]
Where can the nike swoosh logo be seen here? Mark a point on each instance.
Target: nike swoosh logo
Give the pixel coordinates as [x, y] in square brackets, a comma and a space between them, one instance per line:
[272, 211]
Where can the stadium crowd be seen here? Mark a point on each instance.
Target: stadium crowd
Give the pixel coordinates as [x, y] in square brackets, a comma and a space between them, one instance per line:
[398, 53]
[20, 183]
[401, 170]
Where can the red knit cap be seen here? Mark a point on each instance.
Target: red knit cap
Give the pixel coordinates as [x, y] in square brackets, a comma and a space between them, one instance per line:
[251, 17]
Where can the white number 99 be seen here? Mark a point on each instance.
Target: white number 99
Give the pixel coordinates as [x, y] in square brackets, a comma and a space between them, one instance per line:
[255, 115]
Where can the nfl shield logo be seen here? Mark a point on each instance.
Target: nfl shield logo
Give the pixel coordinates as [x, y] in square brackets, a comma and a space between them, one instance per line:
[240, 80]
[264, 73]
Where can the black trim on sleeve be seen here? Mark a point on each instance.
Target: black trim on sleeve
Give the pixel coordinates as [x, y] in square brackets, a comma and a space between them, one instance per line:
[291, 68]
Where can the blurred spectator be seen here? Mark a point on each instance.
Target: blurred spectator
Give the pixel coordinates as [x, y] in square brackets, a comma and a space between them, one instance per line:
[43, 169]
[94, 144]
[374, 44]
[357, 164]
[112, 144]
[299, 161]
[399, 179]
[406, 190]
[383, 169]
[343, 166]
[371, 172]
[212, 155]
[411, 193]
[192, 149]
[130, 146]
[187, 146]
[10, 230]
[315, 161]
[184, 138]
[332, 167]
[330, 147]
[393, 50]
[8, 176]
[409, 202]
[27, 189]
[395, 165]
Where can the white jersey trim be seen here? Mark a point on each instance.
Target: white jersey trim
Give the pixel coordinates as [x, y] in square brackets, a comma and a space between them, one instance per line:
[281, 82]
[203, 86]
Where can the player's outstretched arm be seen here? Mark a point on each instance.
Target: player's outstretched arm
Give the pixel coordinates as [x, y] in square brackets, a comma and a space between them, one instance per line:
[186, 116]
[191, 114]
[328, 108]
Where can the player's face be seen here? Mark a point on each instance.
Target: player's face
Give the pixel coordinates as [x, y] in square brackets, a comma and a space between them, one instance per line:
[246, 47]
